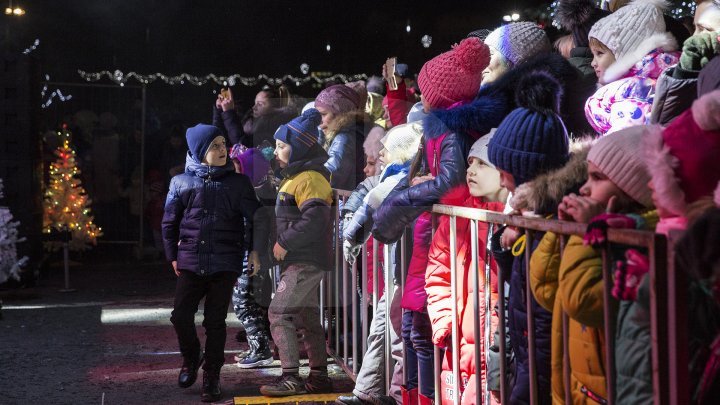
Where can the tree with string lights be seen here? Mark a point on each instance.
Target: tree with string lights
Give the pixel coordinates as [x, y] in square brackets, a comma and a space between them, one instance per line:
[9, 263]
[66, 206]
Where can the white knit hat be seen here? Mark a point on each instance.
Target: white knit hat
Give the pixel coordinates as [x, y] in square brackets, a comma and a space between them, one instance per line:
[617, 157]
[402, 142]
[632, 32]
[519, 41]
[480, 148]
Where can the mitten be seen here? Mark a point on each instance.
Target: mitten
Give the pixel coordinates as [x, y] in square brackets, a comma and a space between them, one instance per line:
[596, 232]
[698, 50]
[629, 274]
[350, 251]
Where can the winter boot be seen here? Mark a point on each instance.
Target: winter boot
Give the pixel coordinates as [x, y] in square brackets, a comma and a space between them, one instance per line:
[409, 396]
[318, 383]
[260, 354]
[211, 385]
[189, 370]
[426, 400]
[286, 385]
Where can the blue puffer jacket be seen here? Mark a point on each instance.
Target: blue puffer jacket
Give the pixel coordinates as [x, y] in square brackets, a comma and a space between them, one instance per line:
[346, 155]
[208, 221]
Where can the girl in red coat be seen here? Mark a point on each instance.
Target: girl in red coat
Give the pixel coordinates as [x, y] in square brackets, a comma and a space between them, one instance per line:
[483, 191]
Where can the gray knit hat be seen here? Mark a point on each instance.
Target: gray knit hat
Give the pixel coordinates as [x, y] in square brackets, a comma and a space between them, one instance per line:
[617, 157]
[519, 41]
[480, 148]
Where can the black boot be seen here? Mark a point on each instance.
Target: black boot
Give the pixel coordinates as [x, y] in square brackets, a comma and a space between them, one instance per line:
[211, 386]
[260, 354]
[189, 370]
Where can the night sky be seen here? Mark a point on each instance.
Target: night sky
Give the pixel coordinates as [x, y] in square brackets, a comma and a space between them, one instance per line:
[246, 37]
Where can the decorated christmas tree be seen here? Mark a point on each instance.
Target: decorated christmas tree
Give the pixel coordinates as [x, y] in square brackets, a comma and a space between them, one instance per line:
[66, 206]
[9, 263]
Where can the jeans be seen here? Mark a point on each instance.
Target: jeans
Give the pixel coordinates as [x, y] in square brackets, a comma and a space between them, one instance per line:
[419, 352]
[190, 289]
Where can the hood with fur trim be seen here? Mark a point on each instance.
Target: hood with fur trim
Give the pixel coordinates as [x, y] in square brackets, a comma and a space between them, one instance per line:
[543, 194]
[663, 44]
[495, 100]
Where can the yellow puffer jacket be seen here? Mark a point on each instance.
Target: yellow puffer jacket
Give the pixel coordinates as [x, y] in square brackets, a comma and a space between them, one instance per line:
[573, 285]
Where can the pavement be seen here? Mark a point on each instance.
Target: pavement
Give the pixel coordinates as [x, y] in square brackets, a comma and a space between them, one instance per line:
[110, 341]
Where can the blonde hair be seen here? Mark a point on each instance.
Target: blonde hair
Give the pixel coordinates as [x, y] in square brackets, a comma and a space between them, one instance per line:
[564, 45]
[595, 43]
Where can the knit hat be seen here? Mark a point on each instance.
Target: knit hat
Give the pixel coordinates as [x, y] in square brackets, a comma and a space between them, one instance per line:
[631, 33]
[375, 85]
[199, 139]
[684, 157]
[402, 141]
[339, 98]
[480, 148]
[617, 157]
[519, 41]
[454, 75]
[254, 165]
[480, 34]
[532, 139]
[301, 133]
[578, 16]
[360, 89]
[372, 144]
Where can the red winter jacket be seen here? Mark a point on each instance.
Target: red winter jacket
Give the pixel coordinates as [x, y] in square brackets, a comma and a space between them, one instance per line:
[437, 285]
[400, 102]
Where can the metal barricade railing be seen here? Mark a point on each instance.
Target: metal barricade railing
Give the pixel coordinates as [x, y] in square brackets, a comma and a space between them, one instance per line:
[669, 355]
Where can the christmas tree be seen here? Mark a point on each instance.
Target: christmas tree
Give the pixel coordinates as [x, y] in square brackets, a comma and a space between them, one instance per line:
[66, 205]
[9, 263]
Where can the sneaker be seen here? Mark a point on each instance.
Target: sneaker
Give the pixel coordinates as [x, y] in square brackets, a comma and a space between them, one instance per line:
[318, 384]
[285, 386]
[255, 359]
[241, 355]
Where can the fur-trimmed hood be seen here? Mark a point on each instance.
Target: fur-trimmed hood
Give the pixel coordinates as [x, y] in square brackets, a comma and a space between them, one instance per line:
[497, 99]
[543, 194]
[664, 41]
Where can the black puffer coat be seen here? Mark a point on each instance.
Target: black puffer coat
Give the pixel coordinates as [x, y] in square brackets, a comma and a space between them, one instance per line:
[208, 221]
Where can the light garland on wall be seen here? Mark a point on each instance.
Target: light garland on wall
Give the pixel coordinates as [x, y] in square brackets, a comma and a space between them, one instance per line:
[121, 78]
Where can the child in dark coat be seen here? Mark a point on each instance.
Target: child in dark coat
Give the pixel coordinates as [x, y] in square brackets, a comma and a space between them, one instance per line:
[206, 229]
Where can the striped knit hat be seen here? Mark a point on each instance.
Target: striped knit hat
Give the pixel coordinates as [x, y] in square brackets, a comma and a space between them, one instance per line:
[301, 133]
[617, 157]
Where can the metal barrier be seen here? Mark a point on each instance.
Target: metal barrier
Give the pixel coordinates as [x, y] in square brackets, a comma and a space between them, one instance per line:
[667, 303]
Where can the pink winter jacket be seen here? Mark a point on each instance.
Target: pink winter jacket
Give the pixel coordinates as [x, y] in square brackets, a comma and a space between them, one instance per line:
[437, 286]
[628, 101]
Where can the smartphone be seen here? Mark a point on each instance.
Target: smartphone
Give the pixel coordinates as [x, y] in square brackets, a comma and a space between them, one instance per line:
[390, 65]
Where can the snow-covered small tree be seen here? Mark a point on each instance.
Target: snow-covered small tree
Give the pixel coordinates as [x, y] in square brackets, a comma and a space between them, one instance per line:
[66, 206]
[9, 263]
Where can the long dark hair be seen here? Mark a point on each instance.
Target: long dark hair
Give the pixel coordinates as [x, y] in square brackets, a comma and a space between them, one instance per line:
[279, 96]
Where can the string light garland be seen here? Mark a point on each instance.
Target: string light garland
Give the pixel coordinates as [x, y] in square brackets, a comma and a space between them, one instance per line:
[122, 78]
[32, 47]
[56, 93]
[66, 206]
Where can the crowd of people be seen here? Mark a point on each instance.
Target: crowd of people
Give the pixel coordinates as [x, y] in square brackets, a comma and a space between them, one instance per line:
[617, 126]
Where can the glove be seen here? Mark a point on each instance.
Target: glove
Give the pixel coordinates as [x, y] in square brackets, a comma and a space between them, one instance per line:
[629, 274]
[596, 233]
[350, 251]
[698, 50]
[253, 263]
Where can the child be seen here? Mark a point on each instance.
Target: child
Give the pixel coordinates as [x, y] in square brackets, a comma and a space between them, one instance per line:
[304, 243]
[208, 209]
[483, 191]
[449, 79]
[616, 181]
[529, 142]
[251, 294]
[630, 48]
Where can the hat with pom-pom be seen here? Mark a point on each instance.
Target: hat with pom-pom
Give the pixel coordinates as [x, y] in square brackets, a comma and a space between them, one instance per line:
[683, 158]
[578, 16]
[340, 98]
[301, 133]
[532, 139]
[253, 164]
[455, 75]
[519, 41]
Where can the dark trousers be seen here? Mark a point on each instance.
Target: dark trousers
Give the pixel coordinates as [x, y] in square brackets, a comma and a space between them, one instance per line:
[419, 351]
[217, 290]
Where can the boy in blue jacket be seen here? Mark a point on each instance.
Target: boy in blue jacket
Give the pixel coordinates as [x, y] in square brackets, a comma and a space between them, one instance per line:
[206, 228]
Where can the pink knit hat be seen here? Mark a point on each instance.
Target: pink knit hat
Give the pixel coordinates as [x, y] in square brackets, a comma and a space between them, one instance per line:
[339, 99]
[684, 158]
[454, 75]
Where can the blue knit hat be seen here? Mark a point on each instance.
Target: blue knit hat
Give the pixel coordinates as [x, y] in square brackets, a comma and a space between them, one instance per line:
[532, 139]
[301, 133]
[199, 139]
